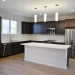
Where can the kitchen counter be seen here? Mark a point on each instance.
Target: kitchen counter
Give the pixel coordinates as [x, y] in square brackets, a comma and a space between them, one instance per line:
[59, 42]
[54, 55]
[55, 46]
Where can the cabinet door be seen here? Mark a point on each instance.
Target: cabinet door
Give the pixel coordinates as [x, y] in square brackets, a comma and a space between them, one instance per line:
[70, 52]
[18, 49]
[70, 23]
[73, 53]
[27, 28]
[7, 50]
[37, 28]
[13, 48]
[60, 27]
[1, 50]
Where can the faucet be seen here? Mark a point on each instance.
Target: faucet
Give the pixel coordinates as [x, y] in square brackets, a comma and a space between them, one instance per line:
[10, 39]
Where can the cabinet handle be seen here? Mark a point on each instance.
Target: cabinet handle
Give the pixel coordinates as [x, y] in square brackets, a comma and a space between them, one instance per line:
[72, 52]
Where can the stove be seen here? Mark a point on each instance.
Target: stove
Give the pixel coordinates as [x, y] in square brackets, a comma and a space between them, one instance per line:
[49, 41]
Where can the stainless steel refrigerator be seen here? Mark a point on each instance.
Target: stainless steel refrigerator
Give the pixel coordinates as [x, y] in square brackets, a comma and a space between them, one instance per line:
[70, 36]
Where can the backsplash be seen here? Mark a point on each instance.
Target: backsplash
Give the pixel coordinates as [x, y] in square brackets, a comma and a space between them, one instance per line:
[24, 37]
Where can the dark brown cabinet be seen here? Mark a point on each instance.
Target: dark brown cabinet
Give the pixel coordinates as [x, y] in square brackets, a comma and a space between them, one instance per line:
[11, 49]
[70, 23]
[16, 48]
[40, 27]
[7, 50]
[27, 28]
[71, 53]
[60, 27]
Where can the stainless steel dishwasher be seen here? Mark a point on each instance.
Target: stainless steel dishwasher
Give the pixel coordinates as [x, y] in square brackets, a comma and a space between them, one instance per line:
[6, 49]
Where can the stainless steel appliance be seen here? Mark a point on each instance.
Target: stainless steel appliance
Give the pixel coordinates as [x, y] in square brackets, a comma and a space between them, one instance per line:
[50, 30]
[70, 36]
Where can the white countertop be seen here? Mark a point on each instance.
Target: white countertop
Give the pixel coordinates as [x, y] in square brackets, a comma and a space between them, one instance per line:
[55, 46]
[60, 41]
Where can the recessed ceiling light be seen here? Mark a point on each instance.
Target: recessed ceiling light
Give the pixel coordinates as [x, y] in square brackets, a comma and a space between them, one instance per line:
[56, 4]
[72, 10]
[35, 8]
[3, 0]
[45, 6]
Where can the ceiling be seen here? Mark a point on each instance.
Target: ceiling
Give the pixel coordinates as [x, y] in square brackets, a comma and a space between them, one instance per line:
[25, 8]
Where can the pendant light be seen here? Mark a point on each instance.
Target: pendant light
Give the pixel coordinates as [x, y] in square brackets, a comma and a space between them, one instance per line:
[56, 16]
[45, 17]
[35, 17]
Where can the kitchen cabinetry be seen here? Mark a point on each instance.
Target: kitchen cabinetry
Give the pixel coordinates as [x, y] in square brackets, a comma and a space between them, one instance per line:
[70, 23]
[16, 48]
[60, 27]
[6, 49]
[71, 52]
[38, 28]
[11, 49]
[27, 28]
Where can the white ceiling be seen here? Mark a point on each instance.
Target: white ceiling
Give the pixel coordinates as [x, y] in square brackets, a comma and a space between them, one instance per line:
[25, 8]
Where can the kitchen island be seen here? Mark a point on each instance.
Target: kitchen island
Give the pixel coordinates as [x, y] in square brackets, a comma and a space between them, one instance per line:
[54, 55]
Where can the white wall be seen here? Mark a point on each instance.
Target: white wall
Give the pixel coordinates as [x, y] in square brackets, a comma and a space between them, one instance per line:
[52, 18]
[12, 17]
[41, 37]
[23, 37]
[18, 36]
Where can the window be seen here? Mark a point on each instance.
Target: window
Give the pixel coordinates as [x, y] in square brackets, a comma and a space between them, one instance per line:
[13, 27]
[9, 26]
[5, 26]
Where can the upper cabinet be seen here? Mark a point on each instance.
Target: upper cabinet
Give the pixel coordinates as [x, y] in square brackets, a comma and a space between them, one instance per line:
[70, 23]
[60, 27]
[27, 28]
[40, 27]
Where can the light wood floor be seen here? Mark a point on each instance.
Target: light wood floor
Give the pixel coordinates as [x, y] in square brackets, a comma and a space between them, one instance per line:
[15, 65]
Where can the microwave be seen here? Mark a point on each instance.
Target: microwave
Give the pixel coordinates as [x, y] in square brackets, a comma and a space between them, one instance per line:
[50, 30]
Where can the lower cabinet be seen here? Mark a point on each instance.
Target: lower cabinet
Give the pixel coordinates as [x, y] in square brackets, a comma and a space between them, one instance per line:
[1, 50]
[71, 53]
[11, 49]
[16, 48]
[6, 50]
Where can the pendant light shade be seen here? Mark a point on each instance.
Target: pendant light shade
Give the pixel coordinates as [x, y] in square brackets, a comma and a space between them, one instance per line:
[45, 17]
[35, 18]
[56, 16]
